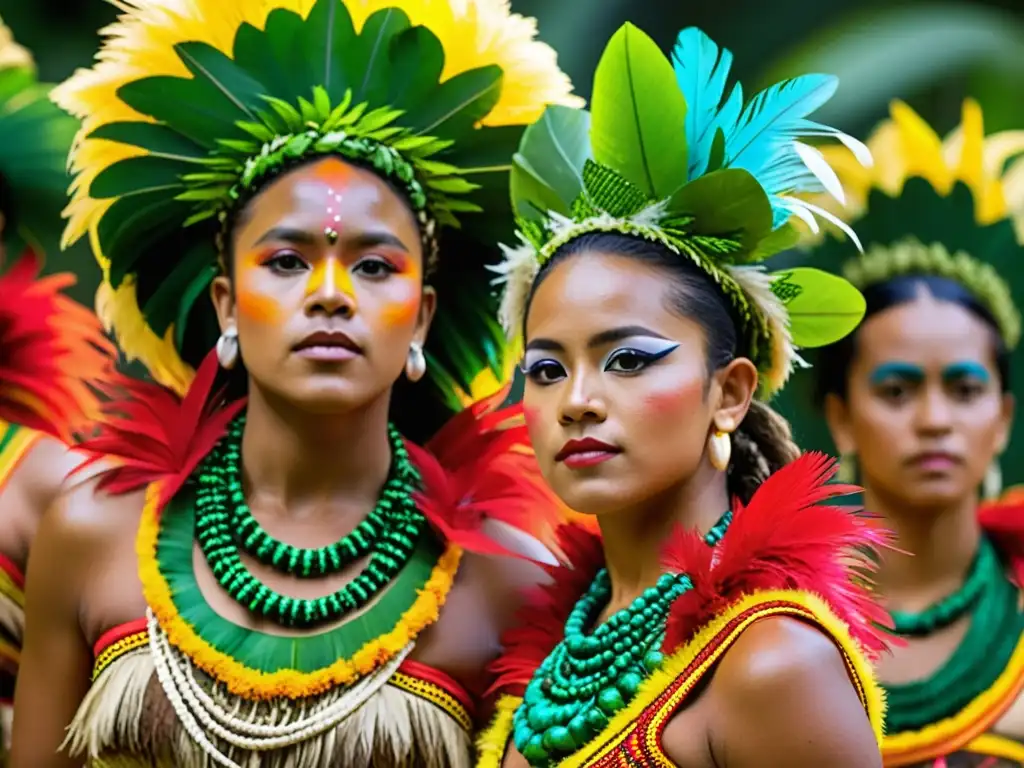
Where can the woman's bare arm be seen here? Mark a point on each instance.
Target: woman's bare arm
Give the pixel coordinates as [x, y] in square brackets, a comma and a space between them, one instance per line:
[782, 697]
[56, 660]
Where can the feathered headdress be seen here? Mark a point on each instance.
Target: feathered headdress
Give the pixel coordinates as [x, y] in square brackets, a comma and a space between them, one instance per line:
[192, 105]
[662, 156]
[952, 208]
[49, 344]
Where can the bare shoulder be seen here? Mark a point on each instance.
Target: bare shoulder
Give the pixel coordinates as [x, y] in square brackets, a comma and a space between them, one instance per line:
[782, 695]
[86, 521]
[45, 466]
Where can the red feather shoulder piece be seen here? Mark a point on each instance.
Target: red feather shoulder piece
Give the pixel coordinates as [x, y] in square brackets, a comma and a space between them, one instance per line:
[540, 624]
[786, 538]
[51, 350]
[1003, 521]
[480, 467]
[149, 434]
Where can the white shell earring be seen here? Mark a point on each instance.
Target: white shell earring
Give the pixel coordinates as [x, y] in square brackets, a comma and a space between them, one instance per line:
[720, 450]
[227, 348]
[415, 363]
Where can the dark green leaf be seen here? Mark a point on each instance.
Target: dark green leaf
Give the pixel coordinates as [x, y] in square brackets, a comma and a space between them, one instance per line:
[195, 289]
[460, 103]
[487, 149]
[209, 116]
[158, 140]
[417, 60]
[234, 83]
[330, 43]
[136, 176]
[532, 198]
[725, 202]
[374, 54]
[132, 226]
[639, 115]
[286, 42]
[162, 307]
[250, 53]
[556, 147]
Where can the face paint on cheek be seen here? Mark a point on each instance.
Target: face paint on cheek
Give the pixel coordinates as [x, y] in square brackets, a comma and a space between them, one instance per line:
[252, 303]
[664, 402]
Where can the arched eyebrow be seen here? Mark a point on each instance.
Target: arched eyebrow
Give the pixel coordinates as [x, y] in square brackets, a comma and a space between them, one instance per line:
[354, 239]
[598, 339]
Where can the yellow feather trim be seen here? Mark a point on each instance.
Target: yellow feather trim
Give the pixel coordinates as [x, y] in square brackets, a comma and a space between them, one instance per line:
[992, 745]
[759, 605]
[256, 685]
[951, 734]
[493, 740]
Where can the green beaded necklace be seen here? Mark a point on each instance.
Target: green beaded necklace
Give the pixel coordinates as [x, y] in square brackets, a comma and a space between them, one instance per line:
[225, 527]
[586, 679]
[950, 608]
[982, 656]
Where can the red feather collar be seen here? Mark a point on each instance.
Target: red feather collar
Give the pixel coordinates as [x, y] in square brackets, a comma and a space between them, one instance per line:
[478, 466]
[784, 539]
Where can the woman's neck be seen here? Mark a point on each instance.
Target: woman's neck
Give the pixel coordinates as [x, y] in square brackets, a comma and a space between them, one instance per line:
[633, 538]
[296, 459]
[932, 553]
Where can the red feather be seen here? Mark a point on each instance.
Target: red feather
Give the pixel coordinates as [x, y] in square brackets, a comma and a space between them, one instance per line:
[151, 435]
[1003, 522]
[784, 539]
[540, 624]
[479, 466]
[53, 353]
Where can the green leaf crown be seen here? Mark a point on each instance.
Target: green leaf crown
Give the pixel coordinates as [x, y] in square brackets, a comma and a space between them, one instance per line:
[662, 156]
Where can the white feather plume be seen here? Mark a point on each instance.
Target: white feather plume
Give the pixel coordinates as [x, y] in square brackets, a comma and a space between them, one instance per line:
[516, 273]
[757, 285]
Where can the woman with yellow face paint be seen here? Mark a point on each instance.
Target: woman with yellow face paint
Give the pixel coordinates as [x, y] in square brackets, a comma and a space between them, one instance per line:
[286, 578]
[919, 402]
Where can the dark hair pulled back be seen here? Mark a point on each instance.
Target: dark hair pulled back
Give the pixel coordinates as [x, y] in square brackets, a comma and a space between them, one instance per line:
[835, 360]
[763, 442]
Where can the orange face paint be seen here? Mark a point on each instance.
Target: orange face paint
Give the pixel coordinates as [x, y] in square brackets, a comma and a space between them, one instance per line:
[255, 305]
[401, 312]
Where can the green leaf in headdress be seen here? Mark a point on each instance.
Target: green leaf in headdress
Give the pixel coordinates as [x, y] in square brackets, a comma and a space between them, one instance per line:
[329, 38]
[639, 115]
[822, 307]
[286, 42]
[235, 84]
[460, 103]
[157, 140]
[375, 46]
[532, 198]
[725, 202]
[122, 178]
[193, 292]
[211, 114]
[161, 307]
[417, 60]
[14, 81]
[127, 230]
[554, 150]
[250, 53]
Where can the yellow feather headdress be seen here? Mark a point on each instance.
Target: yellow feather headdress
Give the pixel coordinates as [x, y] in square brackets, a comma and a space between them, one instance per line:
[191, 104]
[950, 207]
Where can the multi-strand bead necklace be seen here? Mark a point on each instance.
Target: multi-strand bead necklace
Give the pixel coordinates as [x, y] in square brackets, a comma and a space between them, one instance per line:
[588, 678]
[225, 527]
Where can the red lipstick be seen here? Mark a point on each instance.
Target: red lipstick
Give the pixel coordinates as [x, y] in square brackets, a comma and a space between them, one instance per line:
[587, 452]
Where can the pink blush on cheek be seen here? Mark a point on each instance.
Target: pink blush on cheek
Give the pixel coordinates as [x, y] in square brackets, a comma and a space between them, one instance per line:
[663, 403]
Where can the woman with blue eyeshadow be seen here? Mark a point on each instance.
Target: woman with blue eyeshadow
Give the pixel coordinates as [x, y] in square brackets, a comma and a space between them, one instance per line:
[919, 403]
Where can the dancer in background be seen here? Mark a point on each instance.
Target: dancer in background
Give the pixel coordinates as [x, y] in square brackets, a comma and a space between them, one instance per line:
[49, 344]
[288, 579]
[717, 616]
[919, 403]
